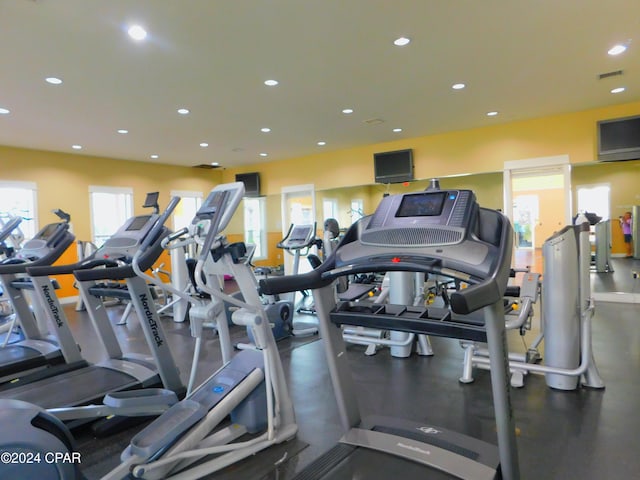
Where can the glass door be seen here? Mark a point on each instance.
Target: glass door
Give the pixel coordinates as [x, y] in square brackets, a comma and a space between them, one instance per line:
[525, 218]
[298, 207]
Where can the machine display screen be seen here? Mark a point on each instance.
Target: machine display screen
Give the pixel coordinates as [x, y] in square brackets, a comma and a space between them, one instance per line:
[138, 223]
[47, 231]
[422, 205]
[300, 234]
[210, 205]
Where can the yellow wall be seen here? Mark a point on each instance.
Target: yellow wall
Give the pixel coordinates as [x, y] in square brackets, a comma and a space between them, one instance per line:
[63, 182]
[63, 179]
[471, 151]
[486, 186]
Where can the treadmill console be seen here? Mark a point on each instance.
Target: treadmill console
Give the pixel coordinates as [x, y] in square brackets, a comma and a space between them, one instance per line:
[126, 241]
[433, 218]
[433, 231]
[44, 241]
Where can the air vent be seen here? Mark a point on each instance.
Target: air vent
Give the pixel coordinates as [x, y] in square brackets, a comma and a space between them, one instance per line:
[415, 237]
[207, 166]
[374, 121]
[615, 73]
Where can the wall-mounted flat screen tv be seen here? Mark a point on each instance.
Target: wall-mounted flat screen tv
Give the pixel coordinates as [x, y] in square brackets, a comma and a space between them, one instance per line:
[619, 139]
[393, 167]
[251, 183]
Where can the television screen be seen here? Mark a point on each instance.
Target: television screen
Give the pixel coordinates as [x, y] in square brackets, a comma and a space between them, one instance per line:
[619, 139]
[251, 183]
[393, 167]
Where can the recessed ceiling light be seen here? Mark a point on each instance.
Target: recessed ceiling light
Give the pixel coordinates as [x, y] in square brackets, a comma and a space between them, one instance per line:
[458, 86]
[618, 90]
[137, 32]
[263, 154]
[155, 156]
[321, 143]
[214, 164]
[76, 147]
[265, 130]
[204, 144]
[4, 111]
[397, 130]
[617, 49]
[402, 41]
[183, 111]
[271, 83]
[492, 114]
[347, 111]
[123, 131]
[53, 80]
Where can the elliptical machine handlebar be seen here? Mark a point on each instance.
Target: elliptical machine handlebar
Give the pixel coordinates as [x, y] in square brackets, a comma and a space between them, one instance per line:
[159, 225]
[174, 236]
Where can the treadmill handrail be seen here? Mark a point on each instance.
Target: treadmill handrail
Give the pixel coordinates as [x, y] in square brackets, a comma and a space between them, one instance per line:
[47, 259]
[492, 289]
[159, 227]
[149, 251]
[45, 271]
[120, 272]
[480, 293]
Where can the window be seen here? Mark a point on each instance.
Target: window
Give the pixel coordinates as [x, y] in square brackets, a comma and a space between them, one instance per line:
[20, 199]
[329, 208]
[254, 226]
[357, 209]
[594, 199]
[185, 211]
[110, 208]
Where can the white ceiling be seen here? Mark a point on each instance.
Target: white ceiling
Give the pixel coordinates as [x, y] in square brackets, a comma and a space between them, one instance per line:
[522, 58]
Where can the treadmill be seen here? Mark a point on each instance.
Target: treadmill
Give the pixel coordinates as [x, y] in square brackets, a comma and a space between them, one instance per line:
[118, 371]
[435, 231]
[37, 351]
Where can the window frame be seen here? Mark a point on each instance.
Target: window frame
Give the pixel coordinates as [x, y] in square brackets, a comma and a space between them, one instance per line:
[262, 204]
[197, 195]
[109, 190]
[607, 215]
[33, 187]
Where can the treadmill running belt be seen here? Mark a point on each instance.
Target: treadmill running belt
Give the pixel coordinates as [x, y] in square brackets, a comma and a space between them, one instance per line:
[15, 353]
[357, 463]
[73, 388]
[16, 358]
